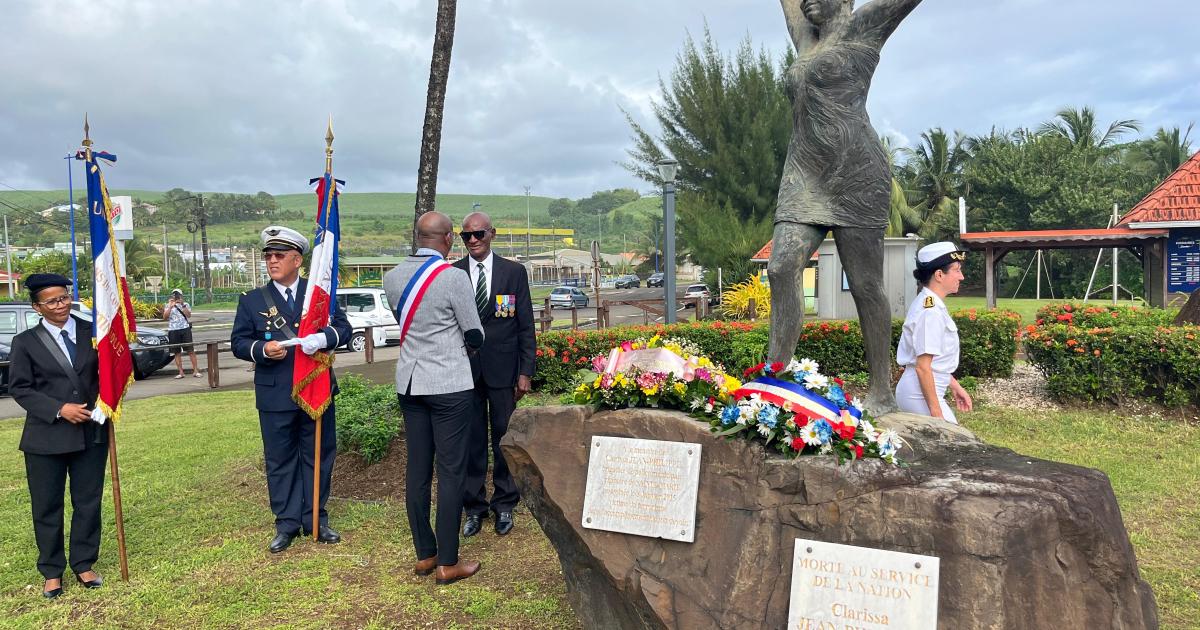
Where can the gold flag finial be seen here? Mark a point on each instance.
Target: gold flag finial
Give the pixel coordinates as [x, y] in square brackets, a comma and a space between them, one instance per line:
[329, 145]
[87, 140]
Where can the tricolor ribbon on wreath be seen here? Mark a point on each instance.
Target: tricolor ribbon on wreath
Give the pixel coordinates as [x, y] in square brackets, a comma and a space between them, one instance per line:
[802, 401]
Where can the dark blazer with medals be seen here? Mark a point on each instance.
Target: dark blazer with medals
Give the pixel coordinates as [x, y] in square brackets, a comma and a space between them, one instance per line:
[258, 322]
[40, 383]
[508, 330]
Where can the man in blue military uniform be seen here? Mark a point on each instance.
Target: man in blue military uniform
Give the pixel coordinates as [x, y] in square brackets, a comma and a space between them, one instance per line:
[264, 332]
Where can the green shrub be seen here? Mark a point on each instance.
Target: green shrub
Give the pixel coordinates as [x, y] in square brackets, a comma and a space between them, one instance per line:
[988, 340]
[368, 417]
[1117, 363]
[1102, 315]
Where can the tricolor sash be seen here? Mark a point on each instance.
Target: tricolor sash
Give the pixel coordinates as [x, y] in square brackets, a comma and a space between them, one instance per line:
[804, 402]
[414, 292]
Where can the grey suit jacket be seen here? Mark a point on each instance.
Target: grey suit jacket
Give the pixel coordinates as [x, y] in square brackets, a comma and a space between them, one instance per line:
[433, 358]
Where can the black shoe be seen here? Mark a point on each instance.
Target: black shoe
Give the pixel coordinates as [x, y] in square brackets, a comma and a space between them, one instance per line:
[96, 583]
[472, 525]
[325, 534]
[52, 593]
[504, 523]
[282, 541]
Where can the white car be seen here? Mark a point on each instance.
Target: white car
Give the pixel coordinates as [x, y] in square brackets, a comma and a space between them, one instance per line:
[365, 306]
[697, 291]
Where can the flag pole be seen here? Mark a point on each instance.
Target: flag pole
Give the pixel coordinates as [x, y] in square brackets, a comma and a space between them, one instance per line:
[316, 500]
[112, 430]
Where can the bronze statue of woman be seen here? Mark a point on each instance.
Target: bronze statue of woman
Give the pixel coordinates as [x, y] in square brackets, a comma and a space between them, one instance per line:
[836, 176]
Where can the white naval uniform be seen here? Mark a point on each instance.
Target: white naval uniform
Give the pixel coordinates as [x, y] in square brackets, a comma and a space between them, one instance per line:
[928, 329]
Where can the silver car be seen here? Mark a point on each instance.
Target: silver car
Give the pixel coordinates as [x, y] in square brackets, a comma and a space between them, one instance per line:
[568, 297]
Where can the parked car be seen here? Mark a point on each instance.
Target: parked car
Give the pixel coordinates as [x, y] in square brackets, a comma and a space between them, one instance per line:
[4, 353]
[628, 282]
[655, 279]
[16, 317]
[568, 297]
[697, 291]
[365, 307]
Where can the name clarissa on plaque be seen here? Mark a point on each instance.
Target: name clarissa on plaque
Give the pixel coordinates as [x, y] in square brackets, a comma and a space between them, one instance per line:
[642, 487]
[840, 587]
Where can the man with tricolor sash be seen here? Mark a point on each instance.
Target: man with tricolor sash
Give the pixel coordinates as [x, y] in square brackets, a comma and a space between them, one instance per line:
[439, 326]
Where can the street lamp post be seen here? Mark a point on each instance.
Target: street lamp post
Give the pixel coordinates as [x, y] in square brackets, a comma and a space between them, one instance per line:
[666, 170]
[528, 223]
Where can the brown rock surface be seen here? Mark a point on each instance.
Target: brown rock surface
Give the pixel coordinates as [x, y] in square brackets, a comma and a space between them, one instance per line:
[1023, 543]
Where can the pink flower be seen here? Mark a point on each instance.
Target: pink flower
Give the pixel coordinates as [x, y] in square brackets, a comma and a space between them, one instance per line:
[599, 363]
[627, 346]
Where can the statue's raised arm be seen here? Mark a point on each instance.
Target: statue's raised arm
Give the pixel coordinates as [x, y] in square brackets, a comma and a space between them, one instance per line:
[804, 33]
[877, 20]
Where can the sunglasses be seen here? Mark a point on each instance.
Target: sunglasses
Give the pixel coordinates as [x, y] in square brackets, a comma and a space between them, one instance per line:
[477, 235]
[274, 255]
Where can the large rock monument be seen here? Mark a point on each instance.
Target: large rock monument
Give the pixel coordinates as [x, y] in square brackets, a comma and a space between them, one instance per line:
[1023, 543]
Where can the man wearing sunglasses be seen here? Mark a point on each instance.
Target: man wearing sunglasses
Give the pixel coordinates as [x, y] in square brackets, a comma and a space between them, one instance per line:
[502, 371]
[266, 318]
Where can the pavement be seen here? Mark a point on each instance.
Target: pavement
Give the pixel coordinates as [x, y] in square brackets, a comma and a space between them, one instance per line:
[234, 376]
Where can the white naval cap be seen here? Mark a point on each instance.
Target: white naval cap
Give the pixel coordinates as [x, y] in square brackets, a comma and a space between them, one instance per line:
[937, 255]
[280, 237]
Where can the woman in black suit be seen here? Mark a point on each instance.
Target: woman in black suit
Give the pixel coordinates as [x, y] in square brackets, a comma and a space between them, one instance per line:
[54, 377]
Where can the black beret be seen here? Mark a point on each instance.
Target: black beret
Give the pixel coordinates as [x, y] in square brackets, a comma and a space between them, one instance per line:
[38, 281]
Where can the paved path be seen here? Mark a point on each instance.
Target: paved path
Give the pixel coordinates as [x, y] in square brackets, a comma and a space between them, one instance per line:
[234, 376]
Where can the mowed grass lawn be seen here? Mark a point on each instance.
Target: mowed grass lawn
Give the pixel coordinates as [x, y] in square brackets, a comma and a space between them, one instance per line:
[197, 525]
[1154, 466]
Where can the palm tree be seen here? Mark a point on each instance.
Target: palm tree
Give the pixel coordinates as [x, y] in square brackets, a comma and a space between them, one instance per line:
[1079, 126]
[435, 103]
[934, 173]
[902, 219]
[1161, 155]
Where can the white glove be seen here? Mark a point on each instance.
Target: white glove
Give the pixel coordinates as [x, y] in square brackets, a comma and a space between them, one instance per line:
[314, 342]
[98, 416]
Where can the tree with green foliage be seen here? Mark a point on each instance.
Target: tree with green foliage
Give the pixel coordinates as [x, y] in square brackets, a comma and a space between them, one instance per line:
[932, 177]
[727, 120]
[1159, 156]
[1079, 126]
[47, 262]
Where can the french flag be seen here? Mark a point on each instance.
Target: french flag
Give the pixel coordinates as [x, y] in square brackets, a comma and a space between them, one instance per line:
[312, 385]
[112, 311]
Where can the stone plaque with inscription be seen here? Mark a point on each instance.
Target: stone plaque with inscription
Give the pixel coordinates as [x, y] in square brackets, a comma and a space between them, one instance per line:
[840, 587]
[643, 487]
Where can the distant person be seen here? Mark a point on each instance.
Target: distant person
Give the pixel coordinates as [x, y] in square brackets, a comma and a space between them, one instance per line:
[439, 328]
[54, 375]
[928, 349]
[502, 370]
[178, 314]
[265, 317]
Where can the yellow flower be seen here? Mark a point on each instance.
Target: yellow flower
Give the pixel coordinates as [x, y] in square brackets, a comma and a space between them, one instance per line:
[704, 362]
[653, 340]
[650, 391]
[732, 384]
[596, 383]
[680, 388]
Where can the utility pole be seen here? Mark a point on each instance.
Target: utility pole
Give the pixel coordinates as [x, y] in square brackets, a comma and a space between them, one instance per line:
[192, 227]
[166, 263]
[204, 245]
[8, 258]
[528, 224]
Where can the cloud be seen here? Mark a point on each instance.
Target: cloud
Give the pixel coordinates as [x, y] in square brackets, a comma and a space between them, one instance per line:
[225, 95]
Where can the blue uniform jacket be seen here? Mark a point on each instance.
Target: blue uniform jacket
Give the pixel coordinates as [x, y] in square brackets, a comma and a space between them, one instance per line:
[253, 327]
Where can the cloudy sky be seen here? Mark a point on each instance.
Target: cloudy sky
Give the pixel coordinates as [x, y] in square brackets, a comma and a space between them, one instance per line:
[225, 95]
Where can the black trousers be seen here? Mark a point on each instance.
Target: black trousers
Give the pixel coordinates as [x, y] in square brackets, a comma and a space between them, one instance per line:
[47, 476]
[288, 438]
[494, 407]
[436, 428]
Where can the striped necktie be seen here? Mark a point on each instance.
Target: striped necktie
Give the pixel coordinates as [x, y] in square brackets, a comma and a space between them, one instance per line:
[481, 292]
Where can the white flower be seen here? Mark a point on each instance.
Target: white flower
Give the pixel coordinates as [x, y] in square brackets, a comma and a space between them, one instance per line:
[747, 413]
[697, 402]
[793, 366]
[889, 442]
[708, 408]
[815, 381]
[826, 449]
[808, 365]
[867, 428]
[856, 403]
[809, 435]
[764, 430]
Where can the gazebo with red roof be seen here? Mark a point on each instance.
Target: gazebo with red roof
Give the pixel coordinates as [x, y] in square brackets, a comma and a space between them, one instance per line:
[1162, 230]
